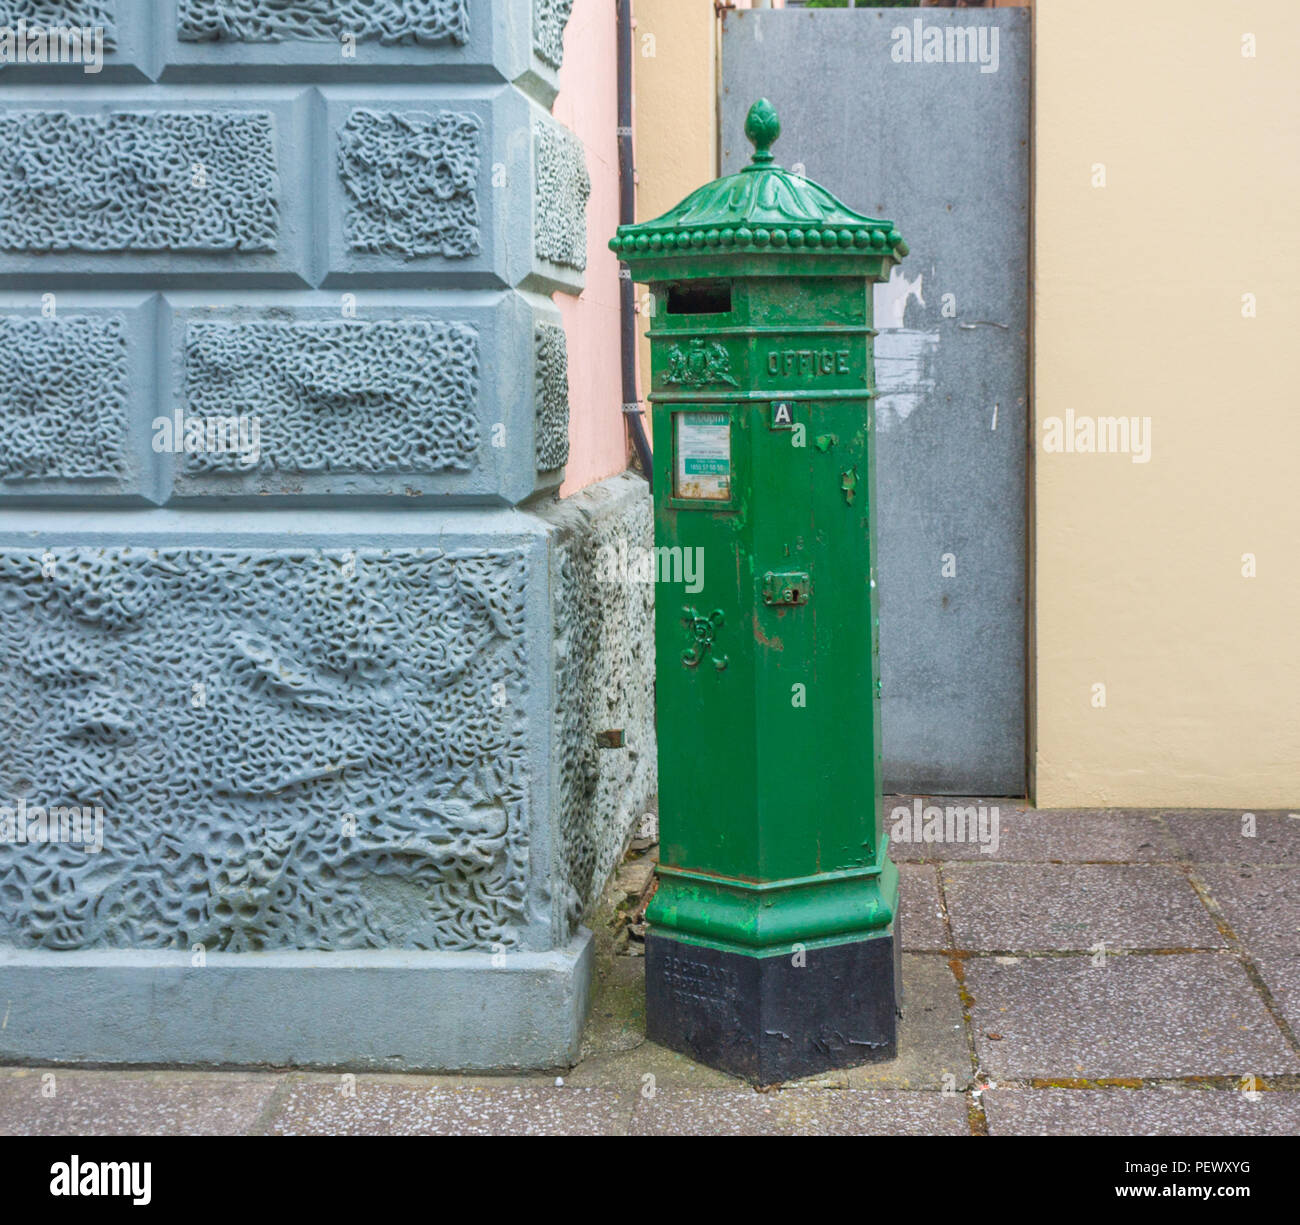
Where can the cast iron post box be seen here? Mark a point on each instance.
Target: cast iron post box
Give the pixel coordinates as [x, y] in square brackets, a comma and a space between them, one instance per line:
[772, 948]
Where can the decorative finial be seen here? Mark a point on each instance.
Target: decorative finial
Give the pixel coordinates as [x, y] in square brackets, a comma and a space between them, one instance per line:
[762, 127]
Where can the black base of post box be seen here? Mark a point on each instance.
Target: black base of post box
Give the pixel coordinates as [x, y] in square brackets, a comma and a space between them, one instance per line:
[770, 1019]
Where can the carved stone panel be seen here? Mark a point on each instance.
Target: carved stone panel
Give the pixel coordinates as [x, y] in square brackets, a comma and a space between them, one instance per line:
[603, 580]
[416, 22]
[63, 398]
[76, 391]
[81, 14]
[561, 192]
[411, 182]
[286, 748]
[549, 19]
[76, 43]
[403, 397]
[552, 397]
[353, 41]
[150, 191]
[126, 181]
[391, 396]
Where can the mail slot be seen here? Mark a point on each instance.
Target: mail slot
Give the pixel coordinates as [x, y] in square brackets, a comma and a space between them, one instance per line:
[773, 937]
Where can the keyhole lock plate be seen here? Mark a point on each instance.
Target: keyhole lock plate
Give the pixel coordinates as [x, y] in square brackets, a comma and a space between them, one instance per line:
[787, 587]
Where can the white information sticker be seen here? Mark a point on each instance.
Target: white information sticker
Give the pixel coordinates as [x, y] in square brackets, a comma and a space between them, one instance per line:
[703, 458]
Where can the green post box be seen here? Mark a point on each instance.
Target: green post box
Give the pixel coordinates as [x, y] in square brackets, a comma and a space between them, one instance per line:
[773, 946]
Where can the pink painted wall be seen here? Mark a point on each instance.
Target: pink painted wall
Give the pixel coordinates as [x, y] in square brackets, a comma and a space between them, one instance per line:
[587, 104]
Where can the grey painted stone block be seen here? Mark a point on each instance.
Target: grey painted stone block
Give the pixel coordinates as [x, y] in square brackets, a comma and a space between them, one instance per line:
[313, 704]
[127, 46]
[312, 736]
[76, 384]
[560, 199]
[552, 393]
[198, 185]
[446, 189]
[604, 676]
[371, 1011]
[366, 397]
[283, 747]
[484, 41]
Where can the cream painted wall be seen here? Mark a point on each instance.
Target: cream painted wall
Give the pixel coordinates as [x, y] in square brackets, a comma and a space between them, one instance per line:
[588, 104]
[1139, 292]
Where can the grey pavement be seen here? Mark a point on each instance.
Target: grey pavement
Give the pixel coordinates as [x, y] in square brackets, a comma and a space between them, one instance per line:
[1101, 972]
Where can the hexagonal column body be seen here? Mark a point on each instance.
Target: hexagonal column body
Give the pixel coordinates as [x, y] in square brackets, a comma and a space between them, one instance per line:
[773, 933]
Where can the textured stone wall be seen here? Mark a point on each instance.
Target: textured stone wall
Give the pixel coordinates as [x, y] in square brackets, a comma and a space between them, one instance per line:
[388, 21]
[66, 393]
[179, 192]
[604, 661]
[411, 180]
[313, 749]
[386, 397]
[563, 188]
[310, 681]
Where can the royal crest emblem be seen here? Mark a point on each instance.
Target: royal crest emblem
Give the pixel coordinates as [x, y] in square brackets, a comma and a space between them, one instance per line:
[703, 365]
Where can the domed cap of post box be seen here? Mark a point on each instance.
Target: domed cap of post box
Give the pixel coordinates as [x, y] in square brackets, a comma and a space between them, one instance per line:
[763, 221]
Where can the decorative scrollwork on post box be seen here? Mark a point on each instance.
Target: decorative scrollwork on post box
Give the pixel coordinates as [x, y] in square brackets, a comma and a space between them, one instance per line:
[702, 631]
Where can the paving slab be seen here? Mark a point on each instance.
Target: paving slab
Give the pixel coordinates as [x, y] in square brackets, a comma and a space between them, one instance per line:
[1074, 906]
[381, 1107]
[1224, 836]
[1028, 835]
[1140, 1112]
[919, 907]
[1281, 974]
[798, 1112]
[627, 1071]
[1261, 903]
[1141, 1015]
[131, 1103]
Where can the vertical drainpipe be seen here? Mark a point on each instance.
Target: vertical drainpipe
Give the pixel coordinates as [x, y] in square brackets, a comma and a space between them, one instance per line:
[626, 216]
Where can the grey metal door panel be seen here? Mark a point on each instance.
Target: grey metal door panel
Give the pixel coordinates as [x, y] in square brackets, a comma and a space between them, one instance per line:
[942, 148]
